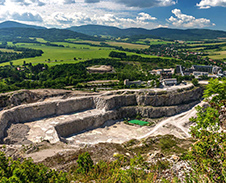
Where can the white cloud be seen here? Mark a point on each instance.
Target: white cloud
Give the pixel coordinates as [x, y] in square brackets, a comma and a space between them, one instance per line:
[204, 4]
[141, 20]
[145, 17]
[162, 26]
[140, 3]
[69, 1]
[21, 16]
[26, 17]
[66, 13]
[2, 2]
[27, 2]
[188, 21]
[59, 19]
[92, 1]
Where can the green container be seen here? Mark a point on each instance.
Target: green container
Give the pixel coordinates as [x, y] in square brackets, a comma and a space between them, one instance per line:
[137, 122]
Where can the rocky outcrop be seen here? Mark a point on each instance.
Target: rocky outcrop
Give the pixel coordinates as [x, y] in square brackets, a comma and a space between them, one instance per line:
[34, 111]
[114, 102]
[148, 103]
[15, 98]
[77, 125]
[18, 98]
[149, 98]
[169, 98]
[154, 112]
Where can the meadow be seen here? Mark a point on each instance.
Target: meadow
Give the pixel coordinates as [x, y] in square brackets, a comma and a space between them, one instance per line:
[128, 45]
[54, 55]
[70, 53]
[84, 41]
[153, 41]
[215, 51]
[218, 55]
[9, 50]
[206, 44]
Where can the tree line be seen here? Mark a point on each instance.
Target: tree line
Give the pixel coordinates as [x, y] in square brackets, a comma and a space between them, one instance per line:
[17, 53]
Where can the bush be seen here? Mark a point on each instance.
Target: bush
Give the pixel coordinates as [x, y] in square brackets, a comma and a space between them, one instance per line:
[195, 82]
[27, 171]
[85, 163]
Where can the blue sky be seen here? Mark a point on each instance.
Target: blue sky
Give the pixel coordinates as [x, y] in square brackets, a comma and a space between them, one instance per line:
[148, 14]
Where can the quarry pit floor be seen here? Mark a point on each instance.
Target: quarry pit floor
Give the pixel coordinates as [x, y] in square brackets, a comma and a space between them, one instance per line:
[120, 132]
[111, 132]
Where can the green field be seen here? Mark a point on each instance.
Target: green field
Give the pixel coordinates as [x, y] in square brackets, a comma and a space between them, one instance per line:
[8, 50]
[218, 55]
[196, 49]
[206, 44]
[128, 45]
[137, 122]
[54, 55]
[41, 40]
[84, 41]
[113, 43]
[153, 41]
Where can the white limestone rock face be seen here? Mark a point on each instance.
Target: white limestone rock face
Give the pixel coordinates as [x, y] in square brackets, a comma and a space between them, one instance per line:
[115, 101]
[33, 111]
[154, 112]
[72, 105]
[169, 98]
[74, 126]
[6, 117]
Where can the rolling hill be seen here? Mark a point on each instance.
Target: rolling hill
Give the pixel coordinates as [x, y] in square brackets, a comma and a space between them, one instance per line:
[10, 30]
[18, 32]
[174, 34]
[101, 30]
[12, 24]
[24, 34]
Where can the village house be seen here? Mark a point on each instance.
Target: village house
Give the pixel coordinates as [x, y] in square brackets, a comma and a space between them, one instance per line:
[169, 82]
[128, 83]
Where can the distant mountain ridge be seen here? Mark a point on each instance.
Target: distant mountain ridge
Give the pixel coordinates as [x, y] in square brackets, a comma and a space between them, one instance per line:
[12, 24]
[175, 34]
[18, 32]
[11, 28]
[101, 30]
[53, 35]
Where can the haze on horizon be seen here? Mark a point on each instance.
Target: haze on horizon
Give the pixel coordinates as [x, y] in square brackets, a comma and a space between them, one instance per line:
[147, 14]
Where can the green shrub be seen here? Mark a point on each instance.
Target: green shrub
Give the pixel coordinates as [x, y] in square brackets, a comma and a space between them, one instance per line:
[85, 163]
[27, 171]
[166, 143]
[195, 82]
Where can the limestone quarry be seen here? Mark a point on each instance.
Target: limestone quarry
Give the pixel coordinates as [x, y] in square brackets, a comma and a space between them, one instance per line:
[47, 123]
[80, 119]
